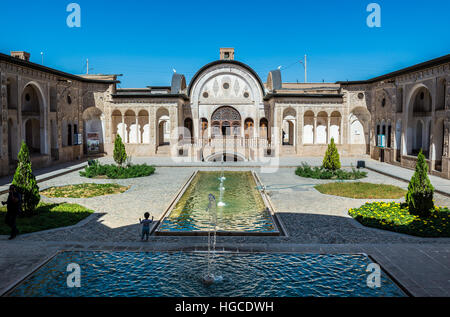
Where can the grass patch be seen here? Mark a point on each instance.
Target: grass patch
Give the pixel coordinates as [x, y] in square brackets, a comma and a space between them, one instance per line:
[321, 173]
[396, 217]
[362, 190]
[111, 171]
[48, 216]
[84, 190]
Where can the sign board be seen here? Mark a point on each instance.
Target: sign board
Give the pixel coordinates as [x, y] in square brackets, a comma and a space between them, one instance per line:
[93, 142]
[381, 140]
[78, 139]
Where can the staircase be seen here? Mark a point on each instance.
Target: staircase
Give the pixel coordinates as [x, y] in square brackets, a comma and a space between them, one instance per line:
[163, 150]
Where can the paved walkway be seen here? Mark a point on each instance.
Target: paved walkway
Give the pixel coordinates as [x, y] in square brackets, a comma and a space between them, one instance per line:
[440, 184]
[315, 223]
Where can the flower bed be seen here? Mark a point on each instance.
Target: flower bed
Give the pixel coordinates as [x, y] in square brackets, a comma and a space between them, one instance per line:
[321, 173]
[395, 217]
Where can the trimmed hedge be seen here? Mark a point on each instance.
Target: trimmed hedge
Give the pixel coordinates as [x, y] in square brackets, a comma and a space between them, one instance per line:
[321, 173]
[117, 172]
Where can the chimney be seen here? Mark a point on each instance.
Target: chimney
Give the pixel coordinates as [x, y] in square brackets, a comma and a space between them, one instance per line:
[21, 55]
[227, 53]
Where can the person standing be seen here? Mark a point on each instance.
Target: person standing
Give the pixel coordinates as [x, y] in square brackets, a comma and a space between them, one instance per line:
[14, 205]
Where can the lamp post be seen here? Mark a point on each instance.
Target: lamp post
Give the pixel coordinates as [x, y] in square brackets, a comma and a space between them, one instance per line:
[305, 65]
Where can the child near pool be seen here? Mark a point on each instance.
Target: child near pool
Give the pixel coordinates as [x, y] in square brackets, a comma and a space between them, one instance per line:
[145, 226]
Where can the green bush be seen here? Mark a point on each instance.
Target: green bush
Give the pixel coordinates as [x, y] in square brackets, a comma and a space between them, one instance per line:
[331, 160]
[321, 173]
[25, 181]
[120, 155]
[420, 191]
[117, 172]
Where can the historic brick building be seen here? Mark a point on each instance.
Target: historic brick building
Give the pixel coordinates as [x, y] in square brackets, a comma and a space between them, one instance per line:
[225, 111]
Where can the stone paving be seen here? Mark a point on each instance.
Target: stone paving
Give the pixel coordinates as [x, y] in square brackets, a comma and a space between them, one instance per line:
[311, 219]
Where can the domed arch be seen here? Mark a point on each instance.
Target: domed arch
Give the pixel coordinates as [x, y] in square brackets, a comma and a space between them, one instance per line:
[34, 118]
[419, 116]
[226, 81]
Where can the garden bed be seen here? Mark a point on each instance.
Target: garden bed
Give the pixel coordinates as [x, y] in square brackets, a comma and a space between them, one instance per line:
[111, 171]
[360, 190]
[86, 190]
[48, 216]
[321, 173]
[395, 217]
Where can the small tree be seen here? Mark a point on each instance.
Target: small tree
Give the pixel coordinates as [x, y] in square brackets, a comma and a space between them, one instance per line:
[25, 181]
[331, 160]
[120, 155]
[420, 191]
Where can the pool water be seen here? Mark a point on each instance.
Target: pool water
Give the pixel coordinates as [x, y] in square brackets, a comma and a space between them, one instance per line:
[179, 274]
[244, 209]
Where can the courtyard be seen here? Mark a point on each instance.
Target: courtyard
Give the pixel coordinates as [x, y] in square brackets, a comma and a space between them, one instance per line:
[312, 222]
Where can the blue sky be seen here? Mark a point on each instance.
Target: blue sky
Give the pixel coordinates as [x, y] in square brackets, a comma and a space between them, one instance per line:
[145, 40]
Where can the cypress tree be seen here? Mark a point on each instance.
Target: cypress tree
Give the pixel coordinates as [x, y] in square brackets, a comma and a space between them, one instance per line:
[420, 191]
[25, 181]
[331, 160]
[120, 155]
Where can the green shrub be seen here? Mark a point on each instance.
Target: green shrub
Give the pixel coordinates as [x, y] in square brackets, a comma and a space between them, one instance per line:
[331, 160]
[117, 172]
[120, 155]
[26, 182]
[321, 173]
[420, 191]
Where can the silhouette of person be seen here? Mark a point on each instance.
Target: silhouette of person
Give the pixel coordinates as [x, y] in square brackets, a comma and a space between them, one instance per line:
[14, 205]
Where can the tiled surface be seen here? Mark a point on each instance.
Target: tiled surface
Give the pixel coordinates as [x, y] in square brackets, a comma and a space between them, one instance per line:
[316, 223]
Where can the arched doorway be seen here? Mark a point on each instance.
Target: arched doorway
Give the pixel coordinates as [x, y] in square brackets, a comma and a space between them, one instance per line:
[359, 119]
[223, 119]
[322, 128]
[144, 127]
[34, 119]
[204, 128]
[163, 127]
[32, 136]
[248, 128]
[335, 126]
[188, 130]
[419, 118]
[288, 128]
[94, 129]
[264, 129]
[308, 127]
